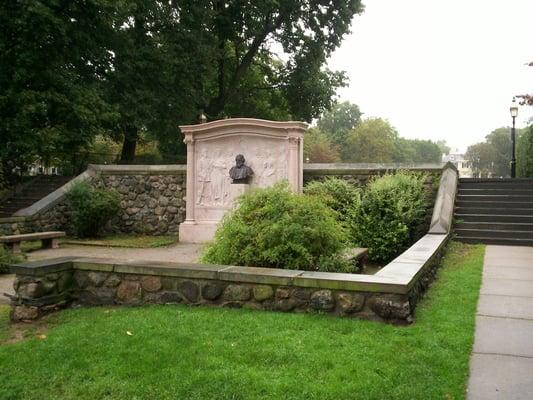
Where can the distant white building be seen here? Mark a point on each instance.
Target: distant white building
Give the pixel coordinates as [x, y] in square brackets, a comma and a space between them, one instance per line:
[461, 163]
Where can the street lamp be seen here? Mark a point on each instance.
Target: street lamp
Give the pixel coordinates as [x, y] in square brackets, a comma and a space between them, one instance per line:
[514, 113]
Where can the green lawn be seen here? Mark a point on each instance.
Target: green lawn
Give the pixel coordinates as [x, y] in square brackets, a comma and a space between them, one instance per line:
[177, 352]
[121, 240]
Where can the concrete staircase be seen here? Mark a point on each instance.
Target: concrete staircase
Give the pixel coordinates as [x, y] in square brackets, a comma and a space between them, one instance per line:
[494, 211]
[31, 192]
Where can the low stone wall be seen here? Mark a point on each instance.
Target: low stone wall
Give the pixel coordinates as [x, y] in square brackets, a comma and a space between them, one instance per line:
[45, 286]
[153, 196]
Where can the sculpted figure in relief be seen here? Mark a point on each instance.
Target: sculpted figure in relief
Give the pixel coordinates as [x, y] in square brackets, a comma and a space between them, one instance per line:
[219, 180]
[204, 178]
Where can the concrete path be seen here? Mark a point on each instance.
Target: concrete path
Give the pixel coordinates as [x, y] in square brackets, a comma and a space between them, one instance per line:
[180, 252]
[501, 365]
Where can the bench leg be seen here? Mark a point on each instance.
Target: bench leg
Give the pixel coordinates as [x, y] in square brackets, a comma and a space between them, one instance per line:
[50, 243]
[13, 247]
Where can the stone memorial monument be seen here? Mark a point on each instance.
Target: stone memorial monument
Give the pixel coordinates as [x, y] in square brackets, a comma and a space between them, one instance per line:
[225, 158]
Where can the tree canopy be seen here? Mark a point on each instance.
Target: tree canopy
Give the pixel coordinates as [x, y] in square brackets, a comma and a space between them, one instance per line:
[73, 70]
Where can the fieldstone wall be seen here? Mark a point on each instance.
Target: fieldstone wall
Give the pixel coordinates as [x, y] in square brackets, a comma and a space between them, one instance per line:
[36, 296]
[152, 204]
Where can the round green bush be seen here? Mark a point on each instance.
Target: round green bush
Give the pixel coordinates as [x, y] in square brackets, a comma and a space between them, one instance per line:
[388, 211]
[277, 228]
[92, 209]
[337, 194]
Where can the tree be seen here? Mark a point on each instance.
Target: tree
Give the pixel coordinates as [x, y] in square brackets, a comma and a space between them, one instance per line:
[524, 157]
[443, 146]
[318, 147]
[233, 69]
[339, 121]
[51, 100]
[481, 156]
[373, 140]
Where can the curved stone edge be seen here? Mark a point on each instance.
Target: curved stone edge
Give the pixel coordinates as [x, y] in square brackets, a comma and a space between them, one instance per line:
[361, 168]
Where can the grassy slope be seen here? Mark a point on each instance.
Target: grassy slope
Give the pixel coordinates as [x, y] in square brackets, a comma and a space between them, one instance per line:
[205, 353]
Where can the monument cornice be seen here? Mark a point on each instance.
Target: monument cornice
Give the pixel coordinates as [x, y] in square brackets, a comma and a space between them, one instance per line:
[246, 125]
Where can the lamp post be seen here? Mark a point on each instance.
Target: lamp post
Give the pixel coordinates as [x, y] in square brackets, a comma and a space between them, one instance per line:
[514, 113]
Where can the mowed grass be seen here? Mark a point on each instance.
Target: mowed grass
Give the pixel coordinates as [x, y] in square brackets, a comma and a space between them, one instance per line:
[179, 352]
[130, 241]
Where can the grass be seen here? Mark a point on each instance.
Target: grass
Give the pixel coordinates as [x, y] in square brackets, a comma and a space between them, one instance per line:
[4, 322]
[179, 352]
[130, 241]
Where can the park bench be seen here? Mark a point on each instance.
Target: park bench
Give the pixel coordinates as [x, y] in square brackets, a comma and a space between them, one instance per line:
[50, 240]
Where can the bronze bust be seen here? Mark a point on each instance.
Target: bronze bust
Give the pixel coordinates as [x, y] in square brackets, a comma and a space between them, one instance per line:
[240, 173]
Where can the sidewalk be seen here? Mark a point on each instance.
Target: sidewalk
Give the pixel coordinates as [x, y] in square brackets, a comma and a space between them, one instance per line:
[501, 365]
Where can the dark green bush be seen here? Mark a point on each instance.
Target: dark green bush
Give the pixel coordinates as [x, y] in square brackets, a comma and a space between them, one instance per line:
[388, 211]
[337, 194]
[277, 228]
[91, 209]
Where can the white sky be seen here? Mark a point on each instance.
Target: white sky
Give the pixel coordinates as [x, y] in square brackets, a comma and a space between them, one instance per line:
[440, 69]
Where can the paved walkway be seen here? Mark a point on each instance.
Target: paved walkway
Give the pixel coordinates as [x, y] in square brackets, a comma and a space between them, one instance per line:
[501, 365]
[180, 252]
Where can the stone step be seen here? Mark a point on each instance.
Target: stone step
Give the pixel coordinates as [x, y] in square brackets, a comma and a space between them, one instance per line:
[498, 192]
[503, 198]
[496, 180]
[494, 233]
[468, 202]
[460, 217]
[495, 241]
[494, 211]
[499, 226]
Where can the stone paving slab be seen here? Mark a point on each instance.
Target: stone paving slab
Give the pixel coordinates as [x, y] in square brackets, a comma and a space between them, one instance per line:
[505, 307]
[507, 336]
[497, 377]
[507, 287]
[519, 273]
[506, 262]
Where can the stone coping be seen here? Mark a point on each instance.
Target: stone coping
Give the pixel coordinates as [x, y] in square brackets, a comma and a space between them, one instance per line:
[397, 277]
[368, 168]
[246, 123]
[169, 169]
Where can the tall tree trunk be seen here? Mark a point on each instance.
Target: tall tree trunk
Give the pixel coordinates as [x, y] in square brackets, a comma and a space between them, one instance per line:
[131, 134]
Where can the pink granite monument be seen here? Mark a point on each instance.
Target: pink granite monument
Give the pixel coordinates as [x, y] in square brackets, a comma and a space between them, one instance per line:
[272, 150]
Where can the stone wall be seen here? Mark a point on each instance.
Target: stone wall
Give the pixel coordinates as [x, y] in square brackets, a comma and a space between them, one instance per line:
[153, 197]
[45, 286]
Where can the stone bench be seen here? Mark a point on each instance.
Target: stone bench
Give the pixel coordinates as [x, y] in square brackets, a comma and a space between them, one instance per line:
[50, 240]
[357, 256]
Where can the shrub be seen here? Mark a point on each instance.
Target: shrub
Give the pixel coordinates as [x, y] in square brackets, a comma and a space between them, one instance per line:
[387, 213]
[91, 208]
[337, 194]
[277, 228]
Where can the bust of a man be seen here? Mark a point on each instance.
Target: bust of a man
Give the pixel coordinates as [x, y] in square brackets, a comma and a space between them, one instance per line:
[240, 173]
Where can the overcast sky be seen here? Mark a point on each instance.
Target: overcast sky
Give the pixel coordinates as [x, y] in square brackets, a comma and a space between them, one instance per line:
[440, 69]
